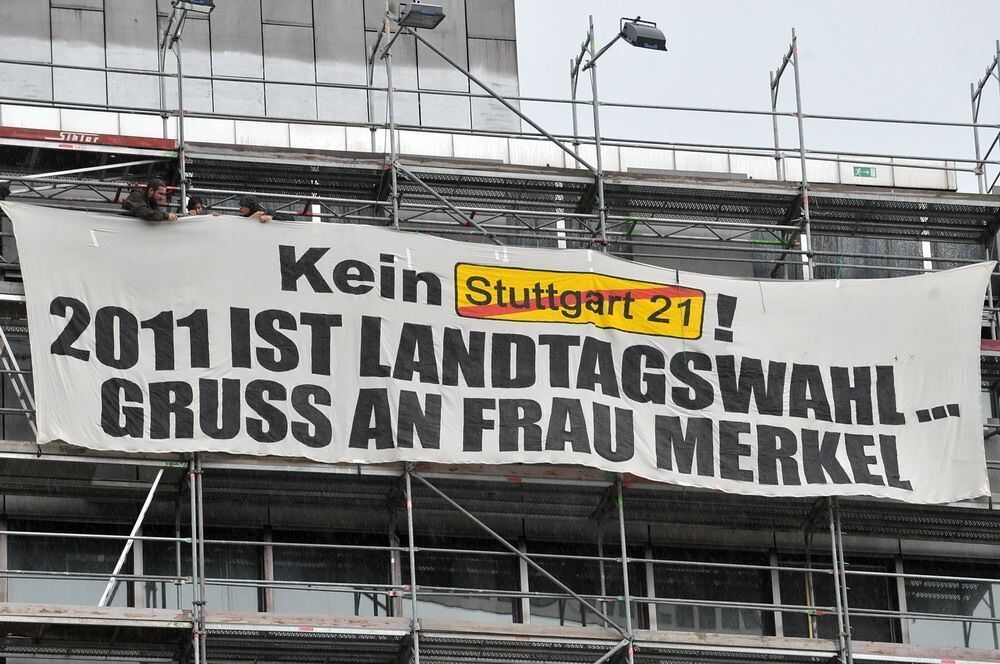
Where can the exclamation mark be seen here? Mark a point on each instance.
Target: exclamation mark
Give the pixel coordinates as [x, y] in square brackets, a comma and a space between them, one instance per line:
[726, 306]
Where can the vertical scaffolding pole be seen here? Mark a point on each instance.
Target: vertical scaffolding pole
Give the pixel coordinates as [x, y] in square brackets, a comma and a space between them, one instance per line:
[201, 556]
[602, 213]
[600, 554]
[181, 152]
[630, 652]
[808, 260]
[414, 622]
[572, 95]
[196, 603]
[393, 148]
[843, 630]
[980, 170]
[779, 167]
[842, 567]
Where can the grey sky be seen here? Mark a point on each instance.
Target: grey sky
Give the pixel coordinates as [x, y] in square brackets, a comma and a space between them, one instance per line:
[906, 59]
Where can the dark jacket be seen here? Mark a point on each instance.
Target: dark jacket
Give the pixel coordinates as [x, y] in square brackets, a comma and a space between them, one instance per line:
[138, 205]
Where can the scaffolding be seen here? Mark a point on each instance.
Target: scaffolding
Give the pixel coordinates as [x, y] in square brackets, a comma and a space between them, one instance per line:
[784, 226]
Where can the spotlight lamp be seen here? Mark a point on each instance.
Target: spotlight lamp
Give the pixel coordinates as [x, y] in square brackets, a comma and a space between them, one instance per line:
[419, 15]
[643, 34]
[196, 6]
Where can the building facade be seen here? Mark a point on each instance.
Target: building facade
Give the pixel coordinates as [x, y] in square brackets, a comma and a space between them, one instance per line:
[214, 557]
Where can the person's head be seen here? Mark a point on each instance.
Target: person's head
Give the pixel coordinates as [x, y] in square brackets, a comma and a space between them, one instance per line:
[195, 205]
[249, 205]
[156, 190]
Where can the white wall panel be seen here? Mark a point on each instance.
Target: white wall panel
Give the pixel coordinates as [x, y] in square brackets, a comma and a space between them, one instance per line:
[288, 54]
[24, 31]
[298, 12]
[197, 95]
[78, 37]
[290, 101]
[492, 148]
[490, 19]
[236, 39]
[449, 37]
[342, 104]
[702, 161]
[646, 159]
[26, 81]
[274, 134]
[76, 4]
[130, 29]
[196, 53]
[494, 62]
[134, 90]
[238, 98]
[340, 42]
[97, 122]
[536, 153]
[134, 124]
[209, 130]
[29, 116]
[317, 137]
[445, 111]
[79, 86]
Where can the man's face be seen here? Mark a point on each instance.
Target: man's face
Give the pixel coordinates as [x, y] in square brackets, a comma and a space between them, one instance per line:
[159, 195]
[244, 211]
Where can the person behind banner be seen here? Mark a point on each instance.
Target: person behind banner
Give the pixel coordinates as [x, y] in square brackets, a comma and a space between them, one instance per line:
[196, 208]
[149, 203]
[251, 208]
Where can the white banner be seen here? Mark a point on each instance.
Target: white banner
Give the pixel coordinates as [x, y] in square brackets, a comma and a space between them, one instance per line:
[346, 343]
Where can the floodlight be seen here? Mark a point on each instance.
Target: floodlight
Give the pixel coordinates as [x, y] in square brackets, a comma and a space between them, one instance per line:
[419, 15]
[643, 34]
[196, 6]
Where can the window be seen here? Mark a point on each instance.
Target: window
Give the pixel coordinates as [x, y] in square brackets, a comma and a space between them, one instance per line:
[441, 576]
[359, 570]
[714, 584]
[864, 592]
[89, 563]
[583, 576]
[976, 599]
[239, 562]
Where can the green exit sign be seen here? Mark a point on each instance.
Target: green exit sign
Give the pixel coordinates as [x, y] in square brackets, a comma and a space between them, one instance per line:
[864, 171]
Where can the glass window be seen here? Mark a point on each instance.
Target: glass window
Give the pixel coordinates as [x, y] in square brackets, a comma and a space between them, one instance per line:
[16, 427]
[864, 592]
[583, 576]
[715, 584]
[241, 562]
[986, 400]
[443, 575]
[89, 563]
[953, 597]
[357, 568]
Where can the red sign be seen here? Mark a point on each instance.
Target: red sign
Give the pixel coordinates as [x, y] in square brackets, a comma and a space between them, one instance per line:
[61, 138]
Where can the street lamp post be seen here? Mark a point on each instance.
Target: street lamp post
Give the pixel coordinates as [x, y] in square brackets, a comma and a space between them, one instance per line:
[639, 33]
[172, 41]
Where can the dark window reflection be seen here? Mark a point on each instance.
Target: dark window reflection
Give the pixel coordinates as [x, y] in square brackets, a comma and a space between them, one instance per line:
[360, 570]
[864, 592]
[94, 558]
[583, 576]
[953, 597]
[442, 575]
[239, 562]
[718, 584]
[15, 427]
